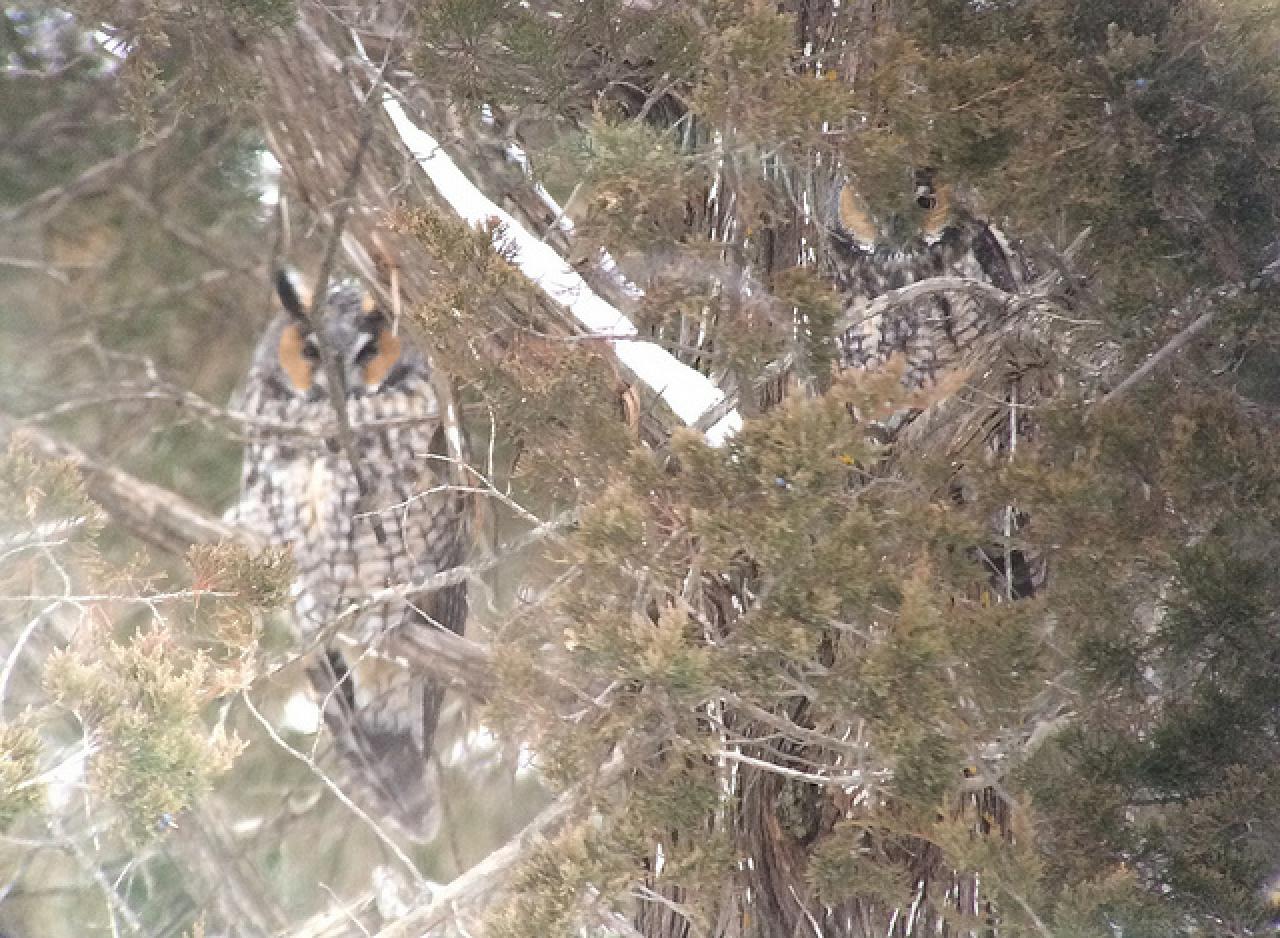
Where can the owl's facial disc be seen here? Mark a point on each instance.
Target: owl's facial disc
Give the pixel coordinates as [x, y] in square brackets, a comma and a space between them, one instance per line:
[299, 357]
[378, 353]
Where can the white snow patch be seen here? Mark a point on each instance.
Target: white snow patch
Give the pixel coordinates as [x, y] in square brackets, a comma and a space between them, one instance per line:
[301, 714]
[269, 169]
[687, 392]
[66, 780]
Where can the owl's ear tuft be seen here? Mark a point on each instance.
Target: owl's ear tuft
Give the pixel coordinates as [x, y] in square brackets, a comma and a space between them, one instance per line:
[295, 298]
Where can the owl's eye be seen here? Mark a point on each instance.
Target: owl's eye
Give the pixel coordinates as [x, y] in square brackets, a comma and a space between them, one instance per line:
[377, 356]
[927, 201]
[367, 350]
[310, 351]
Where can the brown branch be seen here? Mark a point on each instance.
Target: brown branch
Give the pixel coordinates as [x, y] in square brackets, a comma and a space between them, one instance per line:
[172, 523]
[1167, 351]
[495, 870]
[154, 514]
[96, 177]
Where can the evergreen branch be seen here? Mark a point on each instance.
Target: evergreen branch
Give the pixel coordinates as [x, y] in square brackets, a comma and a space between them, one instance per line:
[167, 520]
[95, 178]
[154, 514]
[496, 869]
[686, 391]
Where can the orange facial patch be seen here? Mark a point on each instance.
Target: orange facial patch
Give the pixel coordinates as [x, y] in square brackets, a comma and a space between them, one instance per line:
[377, 368]
[296, 365]
[855, 219]
[938, 217]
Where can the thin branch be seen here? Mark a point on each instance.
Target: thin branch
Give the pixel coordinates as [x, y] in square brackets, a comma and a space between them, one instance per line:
[495, 870]
[95, 177]
[181, 233]
[839, 781]
[336, 382]
[115, 904]
[645, 894]
[336, 790]
[928, 287]
[16, 652]
[162, 392]
[1167, 351]
[47, 269]
[152, 513]
[1041, 928]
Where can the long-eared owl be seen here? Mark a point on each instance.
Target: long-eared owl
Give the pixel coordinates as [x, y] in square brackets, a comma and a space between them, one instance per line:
[936, 236]
[933, 237]
[301, 490]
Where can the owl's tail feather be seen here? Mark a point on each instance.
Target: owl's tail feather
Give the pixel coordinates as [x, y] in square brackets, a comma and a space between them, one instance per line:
[383, 721]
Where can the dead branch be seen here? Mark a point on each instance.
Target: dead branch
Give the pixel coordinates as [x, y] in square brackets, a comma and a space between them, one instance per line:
[150, 512]
[493, 871]
[1167, 351]
[183, 234]
[487, 876]
[96, 177]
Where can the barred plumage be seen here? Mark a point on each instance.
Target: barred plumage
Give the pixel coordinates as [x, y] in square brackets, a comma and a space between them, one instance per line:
[300, 490]
[933, 332]
[938, 331]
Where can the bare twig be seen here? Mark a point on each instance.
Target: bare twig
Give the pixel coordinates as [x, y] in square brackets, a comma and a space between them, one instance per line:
[1167, 351]
[495, 870]
[336, 790]
[95, 177]
[16, 651]
[181, 233]
[152, 513]
[837, 781]
[336, 381]
[162, 392]
[27, 264]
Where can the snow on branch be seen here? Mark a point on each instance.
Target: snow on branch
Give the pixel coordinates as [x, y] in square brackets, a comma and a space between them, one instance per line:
[687, 392]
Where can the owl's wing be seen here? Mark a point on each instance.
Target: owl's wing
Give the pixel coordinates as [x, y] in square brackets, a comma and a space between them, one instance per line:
[382, 711]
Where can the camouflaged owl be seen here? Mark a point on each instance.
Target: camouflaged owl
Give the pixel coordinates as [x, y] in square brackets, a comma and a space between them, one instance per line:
[933, 237]
[301, 490]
